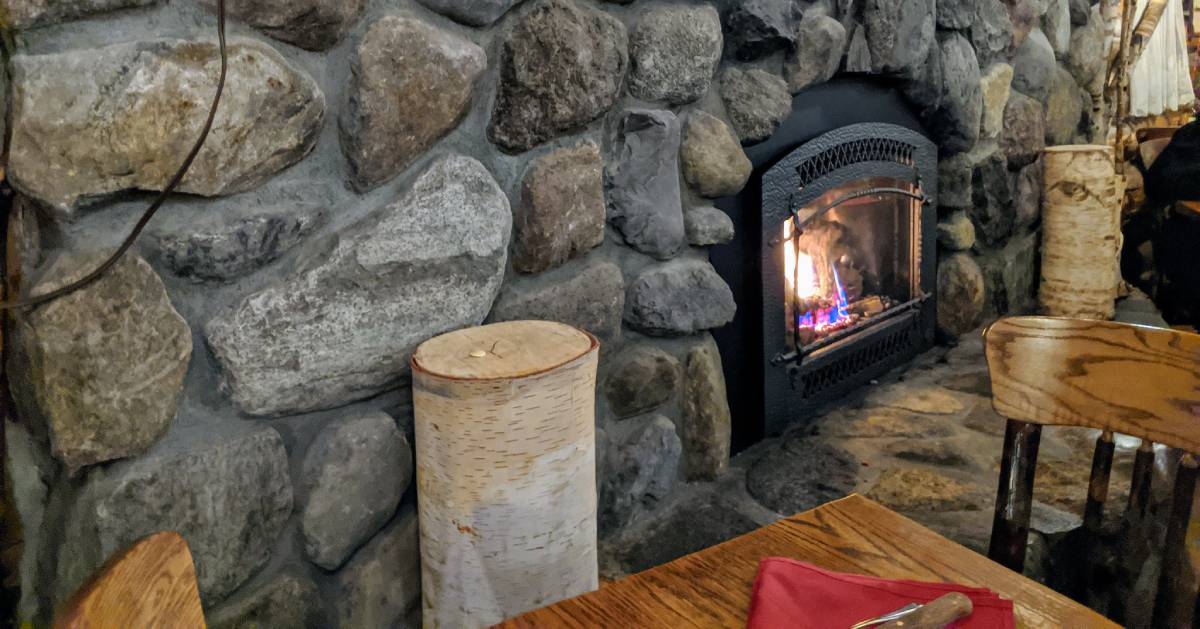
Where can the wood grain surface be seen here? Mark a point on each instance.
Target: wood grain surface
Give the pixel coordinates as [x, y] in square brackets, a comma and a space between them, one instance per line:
[711, 588]
[1133, 380]
[152, 584]
[512, 349]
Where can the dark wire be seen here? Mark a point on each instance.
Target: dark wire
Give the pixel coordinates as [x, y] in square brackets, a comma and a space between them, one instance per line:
[158, 201]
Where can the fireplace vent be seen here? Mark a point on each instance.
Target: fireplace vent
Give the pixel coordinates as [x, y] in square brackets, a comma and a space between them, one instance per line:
[845, 153]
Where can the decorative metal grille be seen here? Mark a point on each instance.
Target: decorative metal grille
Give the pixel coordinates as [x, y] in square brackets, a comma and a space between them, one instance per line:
[866, 355]
[853, 152]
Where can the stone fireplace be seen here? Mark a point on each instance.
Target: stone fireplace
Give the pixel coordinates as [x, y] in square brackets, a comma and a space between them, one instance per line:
[383, 171]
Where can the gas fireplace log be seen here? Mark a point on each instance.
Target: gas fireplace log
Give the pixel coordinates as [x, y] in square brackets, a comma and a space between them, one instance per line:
[1080, 232]
[505, 441]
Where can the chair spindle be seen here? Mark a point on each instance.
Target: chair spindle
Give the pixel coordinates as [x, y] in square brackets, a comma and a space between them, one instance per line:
[1093, 512]
[1175, 602]
[1014, 499]
[1139, 480]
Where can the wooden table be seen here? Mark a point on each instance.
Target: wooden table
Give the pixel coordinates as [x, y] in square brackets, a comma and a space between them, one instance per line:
[711, 588]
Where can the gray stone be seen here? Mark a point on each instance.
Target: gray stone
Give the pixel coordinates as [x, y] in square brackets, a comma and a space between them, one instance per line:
[714, 164]
[995, 83]
[1022, 16]
[696, 525]
[101, 368]
[955, 14]
[941, 452]
[643, 183]
[818, 53]
[1027, 194]
[472, 12]
[960, 293]
[343, 328]
[706, 423]
[707, 226]
[924, 89]
[211, 247]
[955, 123]
[992, 208]
[757, 102]
[592, 299]
[879, 421]
[355, 472]
[561, 67]
[674, 52]
[858, 52]
[680, 297]
[1024, 133]
[916, 489]
[26, 14]
[992, 33]
[411, 84]
[381, 585]
[1086, 57]
[954, 180]
[956, 233]
[798, 474]
[229, 497]
[899, 33]
[1040, 7]
[287, 601]
[88, 123]
[1064, 108]
[29, 474]
[1080, 10]
[643, 469]
[309, 24]
[1056, 25]
[757, 28]
[644, 379]
[1011, 276]
[562, 212]
[1034, 67]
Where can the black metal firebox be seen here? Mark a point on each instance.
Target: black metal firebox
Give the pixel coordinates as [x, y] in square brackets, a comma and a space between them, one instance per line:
[834, 268]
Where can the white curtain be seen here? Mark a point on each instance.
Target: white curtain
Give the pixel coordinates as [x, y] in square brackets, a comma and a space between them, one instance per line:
[1161, 80]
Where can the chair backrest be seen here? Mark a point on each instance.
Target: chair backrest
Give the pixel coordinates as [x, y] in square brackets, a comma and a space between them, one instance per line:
[151, 584]
[1119, 378]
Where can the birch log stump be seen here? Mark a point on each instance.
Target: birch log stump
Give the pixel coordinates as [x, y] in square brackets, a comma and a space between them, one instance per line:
[506, 472]
[1080, 232]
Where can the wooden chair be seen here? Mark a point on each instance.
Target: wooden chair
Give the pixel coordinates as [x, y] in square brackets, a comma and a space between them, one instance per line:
[151, 584]
[1119, 378]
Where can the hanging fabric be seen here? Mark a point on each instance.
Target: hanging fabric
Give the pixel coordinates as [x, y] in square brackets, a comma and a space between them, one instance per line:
[1161, 78]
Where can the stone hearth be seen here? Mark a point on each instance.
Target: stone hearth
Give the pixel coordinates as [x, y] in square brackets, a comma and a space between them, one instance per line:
[383, 171]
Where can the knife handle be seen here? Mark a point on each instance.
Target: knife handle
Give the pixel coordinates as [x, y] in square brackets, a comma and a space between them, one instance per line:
[935, 614]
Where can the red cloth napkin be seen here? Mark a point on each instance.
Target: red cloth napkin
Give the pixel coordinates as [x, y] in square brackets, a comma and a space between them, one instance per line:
[793, 594]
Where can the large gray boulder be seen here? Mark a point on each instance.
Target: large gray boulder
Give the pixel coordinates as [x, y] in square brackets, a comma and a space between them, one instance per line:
[992, 208]
[472, 12]
[411, 84]
[289, 600]
[757, 102]
[228, 495]
[1056, 24]
[756, 28]
[992, 31]
[820, 42]
[381, 585]
[309, 24]
[644, 378]
[101, 369]
[343, 327]
[713, 161]
[706, 425]
[899, 33]
[1064, 108]
[561, 214]
[1023, 135]
[1034, 67]
[591, 299]
[960, 293]
[90, 122]
[642, 471]
[25, 14]
[355, 472]
[644, 201]
[1086, 56]
[996, 85]
[561, 67]
[955, 123]
[214, 247]
[683, 296]
[706, 225]
[674, 52]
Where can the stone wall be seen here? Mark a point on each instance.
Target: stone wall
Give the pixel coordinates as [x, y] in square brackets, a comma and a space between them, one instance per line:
[382, 171]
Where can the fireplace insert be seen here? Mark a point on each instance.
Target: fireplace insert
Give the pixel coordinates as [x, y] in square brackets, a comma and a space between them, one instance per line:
[834, 267]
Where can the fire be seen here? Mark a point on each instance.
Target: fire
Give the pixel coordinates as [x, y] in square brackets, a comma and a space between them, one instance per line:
[828, 308]
[802, 272]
